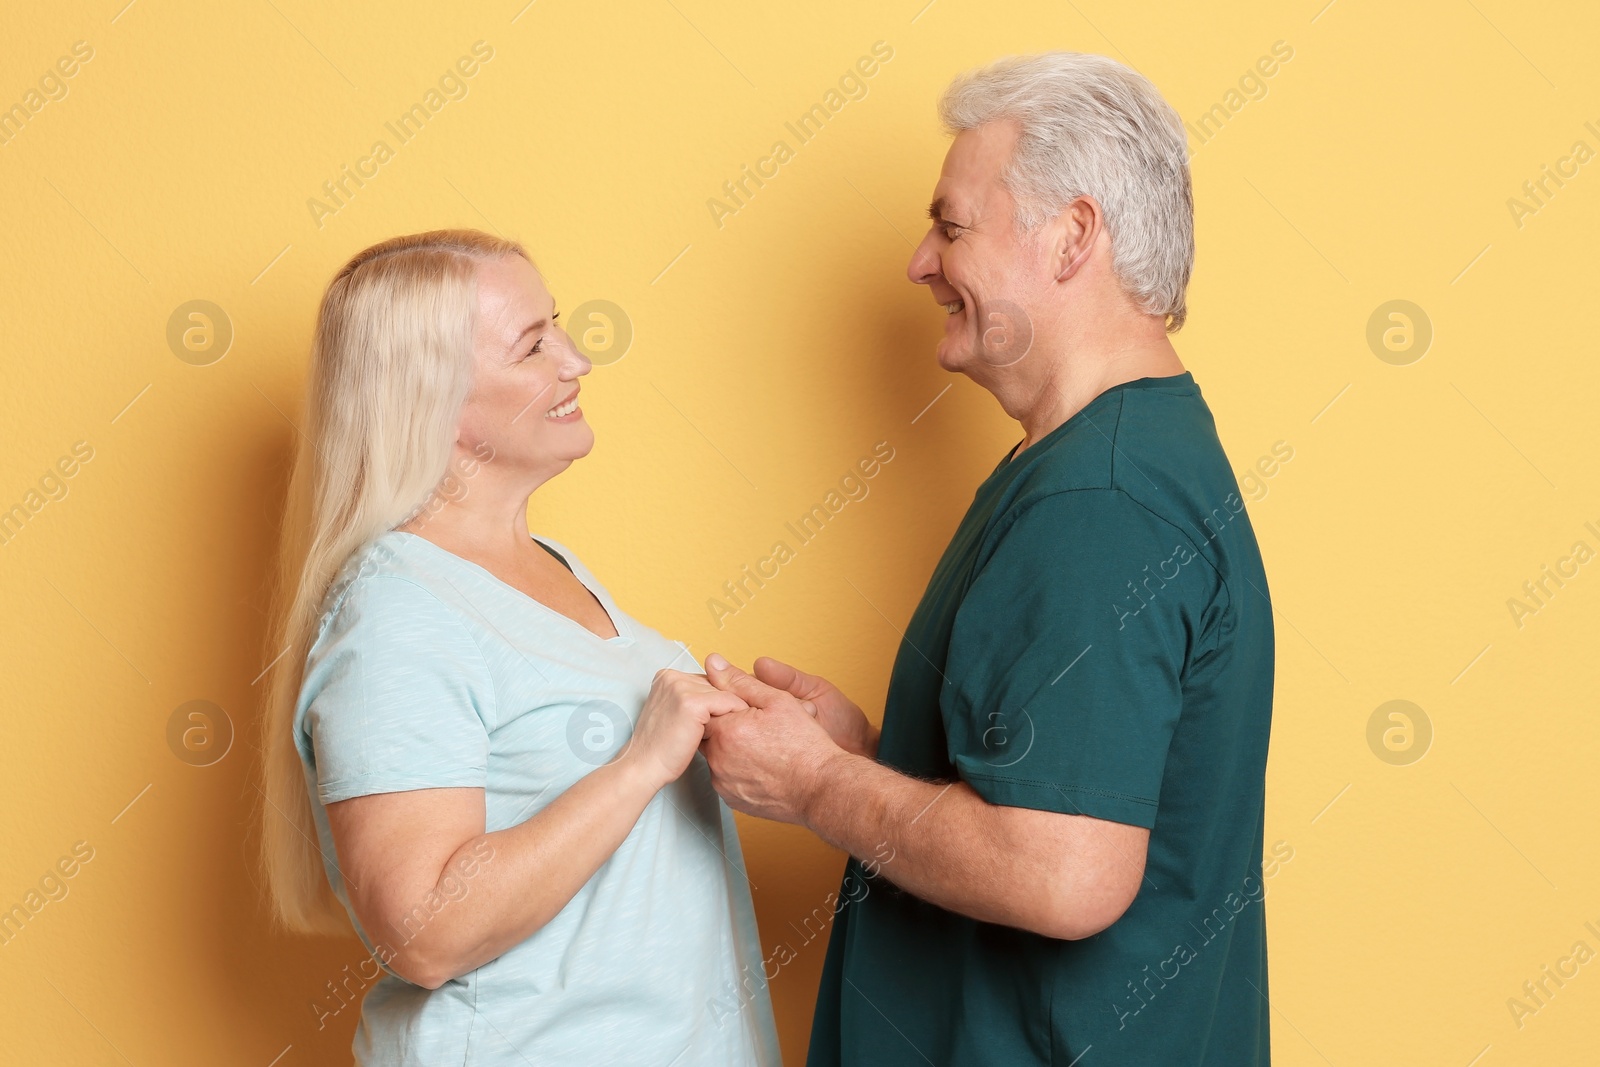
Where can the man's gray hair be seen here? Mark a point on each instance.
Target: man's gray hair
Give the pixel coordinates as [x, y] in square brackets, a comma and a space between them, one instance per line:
[1089, 126]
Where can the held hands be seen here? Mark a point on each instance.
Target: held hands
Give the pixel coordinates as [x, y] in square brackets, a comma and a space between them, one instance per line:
[673, 722]
[770, 761]
[837, 713]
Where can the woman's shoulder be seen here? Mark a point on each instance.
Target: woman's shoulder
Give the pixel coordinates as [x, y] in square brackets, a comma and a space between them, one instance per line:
[389, 580]
[387, 620]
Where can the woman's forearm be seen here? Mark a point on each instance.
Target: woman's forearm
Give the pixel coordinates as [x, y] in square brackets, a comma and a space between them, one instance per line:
[440, 896]
[519, 879]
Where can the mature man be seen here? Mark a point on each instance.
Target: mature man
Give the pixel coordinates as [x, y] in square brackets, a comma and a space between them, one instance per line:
[1057, 838]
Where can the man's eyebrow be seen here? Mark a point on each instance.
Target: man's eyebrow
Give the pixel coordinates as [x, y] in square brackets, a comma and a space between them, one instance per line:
[936, 210]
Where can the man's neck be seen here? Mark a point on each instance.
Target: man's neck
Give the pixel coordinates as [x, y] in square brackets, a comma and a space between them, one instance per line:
[1078, 378]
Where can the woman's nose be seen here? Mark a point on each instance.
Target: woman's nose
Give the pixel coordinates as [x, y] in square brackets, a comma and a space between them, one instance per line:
[574, 364]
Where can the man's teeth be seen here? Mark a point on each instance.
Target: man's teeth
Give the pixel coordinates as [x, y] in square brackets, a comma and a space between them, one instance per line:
[563, 410]
[954, 306]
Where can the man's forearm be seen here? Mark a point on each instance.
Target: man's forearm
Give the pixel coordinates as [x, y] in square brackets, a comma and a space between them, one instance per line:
[946, 844]
[869, 742]
[1057, 874]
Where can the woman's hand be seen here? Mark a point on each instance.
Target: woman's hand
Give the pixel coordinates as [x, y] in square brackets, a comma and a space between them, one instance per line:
[672, 723]
[837, 713]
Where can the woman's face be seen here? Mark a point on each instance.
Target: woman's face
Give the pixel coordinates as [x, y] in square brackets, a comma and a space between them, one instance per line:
[523, 399]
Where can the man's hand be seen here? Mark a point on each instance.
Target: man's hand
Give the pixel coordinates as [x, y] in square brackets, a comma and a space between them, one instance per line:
[837, 713]
[766, 761]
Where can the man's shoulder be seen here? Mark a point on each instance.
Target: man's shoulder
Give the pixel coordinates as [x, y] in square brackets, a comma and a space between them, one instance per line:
[1150, 455]
[1146, 439]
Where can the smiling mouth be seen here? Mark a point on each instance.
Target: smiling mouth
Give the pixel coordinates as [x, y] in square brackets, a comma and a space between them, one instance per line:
[563, 409]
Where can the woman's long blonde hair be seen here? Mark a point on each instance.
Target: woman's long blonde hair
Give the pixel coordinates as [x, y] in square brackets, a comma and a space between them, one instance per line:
[391, 363]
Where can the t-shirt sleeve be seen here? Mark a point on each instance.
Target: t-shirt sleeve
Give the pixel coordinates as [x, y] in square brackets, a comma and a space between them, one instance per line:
[397, 695]
[1066, 658]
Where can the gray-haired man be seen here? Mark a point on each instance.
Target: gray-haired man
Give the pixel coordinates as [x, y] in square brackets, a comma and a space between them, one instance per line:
[1057, 839]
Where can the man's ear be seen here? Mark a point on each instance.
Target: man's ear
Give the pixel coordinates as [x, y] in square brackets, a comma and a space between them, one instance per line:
[1072, 235]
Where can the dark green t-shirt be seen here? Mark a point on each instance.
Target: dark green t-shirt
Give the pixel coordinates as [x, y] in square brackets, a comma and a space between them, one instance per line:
[1096, 640]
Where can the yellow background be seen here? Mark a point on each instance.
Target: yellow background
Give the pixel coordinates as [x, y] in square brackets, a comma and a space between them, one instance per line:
[769, 355]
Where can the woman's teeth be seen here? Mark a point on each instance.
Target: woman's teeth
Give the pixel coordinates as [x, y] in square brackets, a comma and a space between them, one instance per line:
[954, 306]
[563, 410]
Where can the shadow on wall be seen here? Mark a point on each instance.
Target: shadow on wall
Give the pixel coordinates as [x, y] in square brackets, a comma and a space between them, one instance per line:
[312, 984]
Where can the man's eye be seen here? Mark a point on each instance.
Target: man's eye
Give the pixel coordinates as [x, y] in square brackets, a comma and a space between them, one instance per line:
[948, 228]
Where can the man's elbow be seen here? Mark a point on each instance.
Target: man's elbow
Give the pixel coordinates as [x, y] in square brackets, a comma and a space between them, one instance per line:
[1074, 912]
[1090, 871]
[1076, 922]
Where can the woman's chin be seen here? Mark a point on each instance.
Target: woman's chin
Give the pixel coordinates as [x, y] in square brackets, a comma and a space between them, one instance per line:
[581, 443]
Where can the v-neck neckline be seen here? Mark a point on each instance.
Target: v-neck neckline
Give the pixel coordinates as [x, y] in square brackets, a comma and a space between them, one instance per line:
[624, 635]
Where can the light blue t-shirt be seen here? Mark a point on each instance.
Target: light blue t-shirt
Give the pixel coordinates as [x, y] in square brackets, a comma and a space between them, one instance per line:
[429, 672]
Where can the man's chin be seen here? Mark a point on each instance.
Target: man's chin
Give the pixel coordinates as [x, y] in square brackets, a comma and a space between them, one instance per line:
[954, 355]
[948, 353]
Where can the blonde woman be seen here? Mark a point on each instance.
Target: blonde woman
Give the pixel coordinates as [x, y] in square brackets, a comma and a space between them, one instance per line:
[472, 755]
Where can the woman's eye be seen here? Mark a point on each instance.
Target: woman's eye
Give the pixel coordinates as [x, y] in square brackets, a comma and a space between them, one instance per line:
[538, 346]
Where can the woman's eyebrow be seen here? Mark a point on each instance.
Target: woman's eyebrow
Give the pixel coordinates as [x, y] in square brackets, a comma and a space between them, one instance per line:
[526, 330]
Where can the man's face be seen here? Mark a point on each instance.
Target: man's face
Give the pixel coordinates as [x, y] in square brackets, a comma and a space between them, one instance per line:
[990, 279]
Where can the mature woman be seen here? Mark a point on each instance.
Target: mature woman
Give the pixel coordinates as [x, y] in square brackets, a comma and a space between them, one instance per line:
[473, 756]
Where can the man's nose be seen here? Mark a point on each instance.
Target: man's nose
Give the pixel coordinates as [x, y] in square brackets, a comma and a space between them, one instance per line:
[924, 265]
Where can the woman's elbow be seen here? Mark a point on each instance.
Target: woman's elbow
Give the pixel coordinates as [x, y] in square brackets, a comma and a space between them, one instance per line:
[431, 980]
[440, 955]
[426, 956]
[425, 969]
